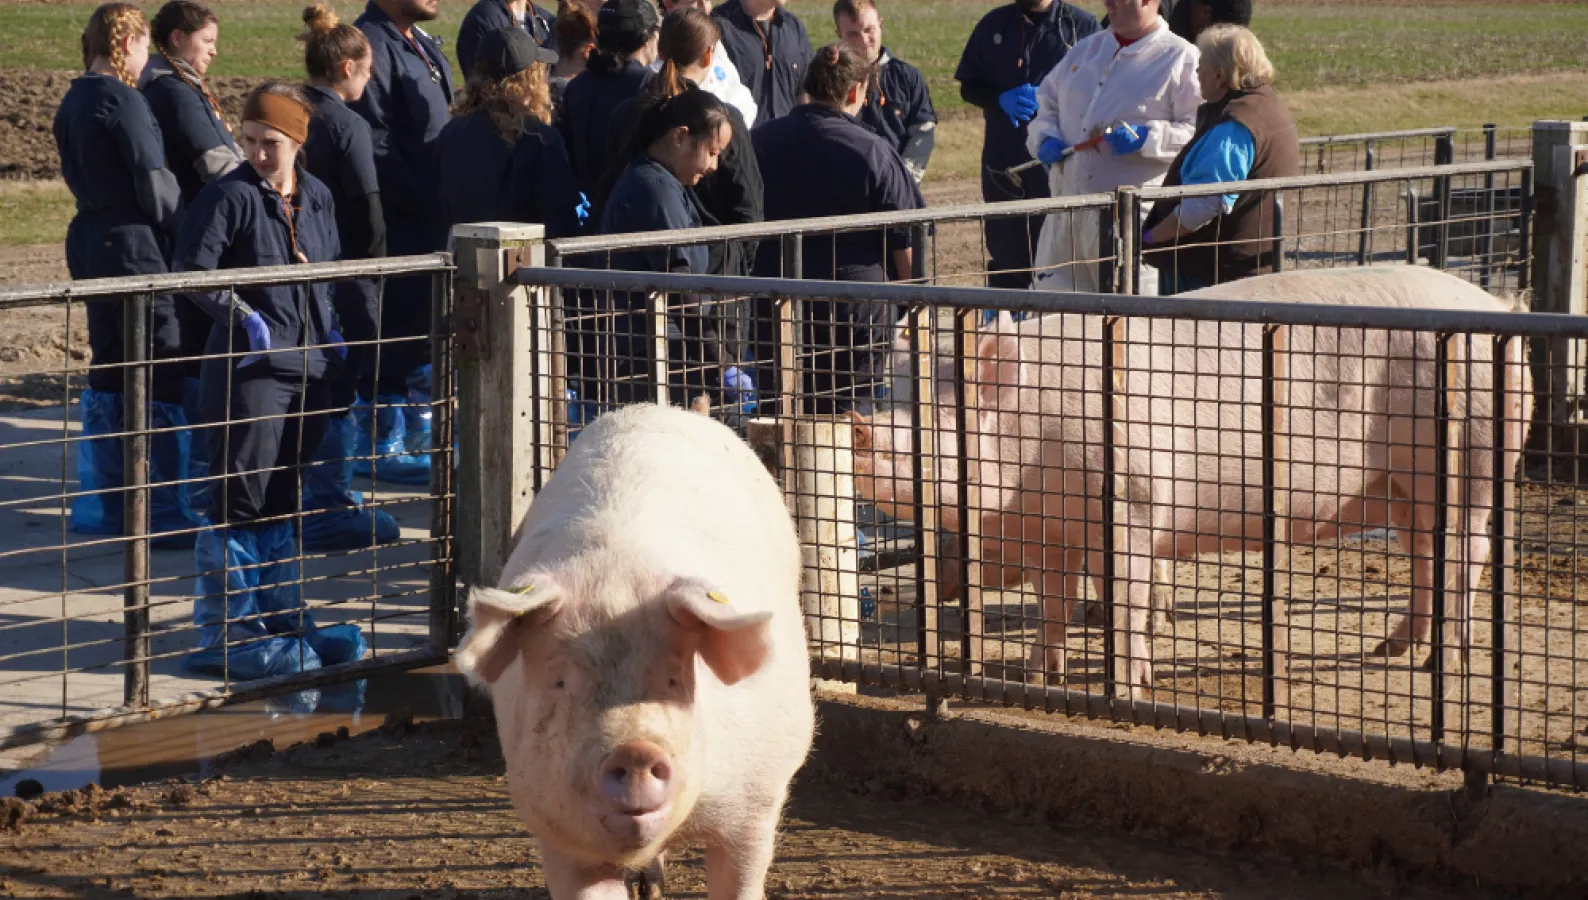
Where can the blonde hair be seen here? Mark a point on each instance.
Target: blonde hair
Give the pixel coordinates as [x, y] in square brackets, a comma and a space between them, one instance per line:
[506, 100]
[1237, 53]
[109, 26]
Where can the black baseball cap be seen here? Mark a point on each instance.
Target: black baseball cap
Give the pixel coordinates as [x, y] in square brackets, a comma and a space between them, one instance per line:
[628, 22]
[508, 52]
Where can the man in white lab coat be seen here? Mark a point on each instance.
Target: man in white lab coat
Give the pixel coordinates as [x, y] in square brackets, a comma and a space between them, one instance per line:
[1137, 73]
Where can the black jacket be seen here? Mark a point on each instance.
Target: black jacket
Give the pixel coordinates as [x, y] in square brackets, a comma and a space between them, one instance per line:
[899, 108]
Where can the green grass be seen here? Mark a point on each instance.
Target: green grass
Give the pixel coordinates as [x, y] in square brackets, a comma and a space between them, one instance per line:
[1344, 67]
[33, 212]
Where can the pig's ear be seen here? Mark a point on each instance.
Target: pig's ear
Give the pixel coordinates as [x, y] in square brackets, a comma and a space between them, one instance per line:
[860, 431]
[999, 372]
[734, 643]
[496, 619]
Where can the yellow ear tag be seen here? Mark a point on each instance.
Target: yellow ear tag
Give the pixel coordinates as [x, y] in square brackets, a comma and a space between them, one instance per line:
[521, 591]
[717, 596]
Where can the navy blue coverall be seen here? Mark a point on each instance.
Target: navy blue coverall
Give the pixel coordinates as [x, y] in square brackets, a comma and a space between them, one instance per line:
[406, 105]
[198, 148]
[487, 16]
[113, 160]
[485, 179]
[771, 58]
[817, 161]
[649, 198]
[899, 107]
[1007, 49]
[341, 153]
[585, 118]
[248, 607]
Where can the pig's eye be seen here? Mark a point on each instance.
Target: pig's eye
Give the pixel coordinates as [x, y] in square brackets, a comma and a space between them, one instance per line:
[672, 682]
[560, 684]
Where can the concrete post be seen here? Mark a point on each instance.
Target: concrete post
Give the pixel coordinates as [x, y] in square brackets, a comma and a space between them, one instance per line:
[505, 407]
[1560, 273]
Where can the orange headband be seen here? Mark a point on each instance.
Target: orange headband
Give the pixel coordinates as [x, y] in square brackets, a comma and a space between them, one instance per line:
[281, 113]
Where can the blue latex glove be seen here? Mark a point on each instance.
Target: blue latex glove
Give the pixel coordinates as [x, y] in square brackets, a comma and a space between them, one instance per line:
[583, 209]
[1124, 143]
[1052, 150]
[1019, 104]
[338, 344]
[258, 339]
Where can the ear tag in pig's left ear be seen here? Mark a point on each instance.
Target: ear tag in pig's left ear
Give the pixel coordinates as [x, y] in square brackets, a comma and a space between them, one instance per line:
[717, 597]
[521, 591]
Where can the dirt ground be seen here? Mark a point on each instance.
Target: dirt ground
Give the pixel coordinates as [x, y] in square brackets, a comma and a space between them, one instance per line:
[422, 812]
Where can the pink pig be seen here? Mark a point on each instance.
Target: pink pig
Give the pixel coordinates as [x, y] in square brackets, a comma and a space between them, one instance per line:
[646, 656]
[1356, 453]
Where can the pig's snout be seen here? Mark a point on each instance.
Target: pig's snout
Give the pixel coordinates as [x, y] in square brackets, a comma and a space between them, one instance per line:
[637, 778]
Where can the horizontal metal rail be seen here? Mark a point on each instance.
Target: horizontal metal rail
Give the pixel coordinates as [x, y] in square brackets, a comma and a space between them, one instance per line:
[565, 247]
[176, 282]
[1376, 136]
[1338, 179]
[1527, 324]
[115, 717]
[761, 230]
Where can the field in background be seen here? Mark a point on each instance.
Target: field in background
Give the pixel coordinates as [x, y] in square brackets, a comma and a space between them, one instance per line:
[1344, 66]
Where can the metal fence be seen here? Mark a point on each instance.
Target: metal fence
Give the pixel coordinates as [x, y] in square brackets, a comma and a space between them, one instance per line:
[1001, 535]
[1440, 145]
[106, 493]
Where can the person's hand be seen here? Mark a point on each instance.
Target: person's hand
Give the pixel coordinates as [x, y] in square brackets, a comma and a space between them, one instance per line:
[1019, 104]
[338, 344]
[1127, 139]
[1052, 150]
[258, 339]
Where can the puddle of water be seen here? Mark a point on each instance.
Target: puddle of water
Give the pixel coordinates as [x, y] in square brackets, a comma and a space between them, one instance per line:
[186, 746]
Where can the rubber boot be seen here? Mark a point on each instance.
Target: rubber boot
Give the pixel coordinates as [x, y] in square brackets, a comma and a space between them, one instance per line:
[281, 600]
[234, 641]
[381, 453]
[334, 517]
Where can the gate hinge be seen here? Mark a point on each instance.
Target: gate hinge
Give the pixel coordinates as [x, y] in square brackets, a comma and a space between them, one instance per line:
[471, 321]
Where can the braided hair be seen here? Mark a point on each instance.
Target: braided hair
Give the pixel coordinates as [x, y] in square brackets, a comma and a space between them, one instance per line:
[108, 28]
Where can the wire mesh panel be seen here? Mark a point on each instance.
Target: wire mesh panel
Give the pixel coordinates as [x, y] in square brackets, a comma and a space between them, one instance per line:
[192, 511]
[1317, 511]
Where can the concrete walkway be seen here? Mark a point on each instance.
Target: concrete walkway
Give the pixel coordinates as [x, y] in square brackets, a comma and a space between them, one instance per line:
[61, 595]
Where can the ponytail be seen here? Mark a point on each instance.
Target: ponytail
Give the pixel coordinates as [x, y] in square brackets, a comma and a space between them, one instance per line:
[109, 26]
[687, 36]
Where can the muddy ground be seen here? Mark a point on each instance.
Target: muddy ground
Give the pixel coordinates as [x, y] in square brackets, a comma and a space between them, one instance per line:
[422, 812]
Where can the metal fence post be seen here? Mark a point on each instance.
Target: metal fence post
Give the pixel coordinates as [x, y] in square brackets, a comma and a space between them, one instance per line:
[1560, 279]
[967, 431]
[135, 498]
[1490, 150]
[1444, 155]
[1412, 214]
[505, 411]
[443, 550]
[926, 509]
[1364, 251]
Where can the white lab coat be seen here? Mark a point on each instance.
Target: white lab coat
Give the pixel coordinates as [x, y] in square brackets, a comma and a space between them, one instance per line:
[722, 81]
[1151, 82]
